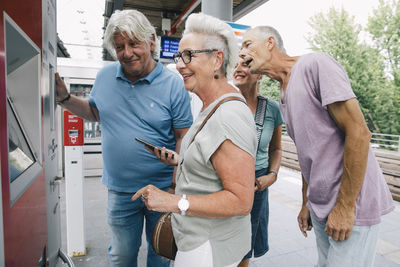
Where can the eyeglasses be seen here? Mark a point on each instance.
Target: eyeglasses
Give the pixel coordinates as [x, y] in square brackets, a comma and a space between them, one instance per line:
[186, 55]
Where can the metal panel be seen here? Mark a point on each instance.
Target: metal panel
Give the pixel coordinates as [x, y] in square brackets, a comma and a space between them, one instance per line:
[24, 222]
[23, 90]
[51, 155]
[1, 227]
[245, 7]
[23, 82]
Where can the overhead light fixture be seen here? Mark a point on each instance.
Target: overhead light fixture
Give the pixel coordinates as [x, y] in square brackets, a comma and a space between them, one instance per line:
[165, 24]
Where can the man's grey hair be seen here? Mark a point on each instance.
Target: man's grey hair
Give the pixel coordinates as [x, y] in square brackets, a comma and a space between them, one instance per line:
[216, 35]
[265, 32]
[132, 23]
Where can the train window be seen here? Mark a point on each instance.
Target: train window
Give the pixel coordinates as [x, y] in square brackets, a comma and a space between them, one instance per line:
[24, 123]
[81, 90]
[92, 129]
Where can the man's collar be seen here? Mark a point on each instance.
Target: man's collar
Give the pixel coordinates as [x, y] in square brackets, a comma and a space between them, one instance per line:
[148, 78]
[153, 74]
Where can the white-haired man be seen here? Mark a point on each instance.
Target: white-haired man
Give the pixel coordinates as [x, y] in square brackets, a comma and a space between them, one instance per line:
[134, 97]
[344, 192]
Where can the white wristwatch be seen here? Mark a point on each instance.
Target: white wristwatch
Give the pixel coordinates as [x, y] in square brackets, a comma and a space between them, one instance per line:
[183, 204]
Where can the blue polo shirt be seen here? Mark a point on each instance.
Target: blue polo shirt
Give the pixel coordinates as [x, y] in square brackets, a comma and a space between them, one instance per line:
[150, 108]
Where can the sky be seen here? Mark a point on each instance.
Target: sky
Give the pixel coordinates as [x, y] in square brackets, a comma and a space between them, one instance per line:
[79, 26]
[80, 23]
[290, 18]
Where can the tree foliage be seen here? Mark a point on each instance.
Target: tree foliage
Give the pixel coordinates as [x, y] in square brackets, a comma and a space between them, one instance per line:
[384, 27]
[337, 34]
[270, 88]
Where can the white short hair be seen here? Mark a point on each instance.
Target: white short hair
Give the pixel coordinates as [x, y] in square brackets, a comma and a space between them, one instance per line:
[264, 32]
[217, 35]
[132, 23]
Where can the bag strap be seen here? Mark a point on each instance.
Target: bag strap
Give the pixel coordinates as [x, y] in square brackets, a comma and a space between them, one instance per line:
[213, 111]
[260, 116]
[230, 98]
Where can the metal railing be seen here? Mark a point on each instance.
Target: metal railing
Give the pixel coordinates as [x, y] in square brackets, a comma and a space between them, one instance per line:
[386, 141]
[381, 141]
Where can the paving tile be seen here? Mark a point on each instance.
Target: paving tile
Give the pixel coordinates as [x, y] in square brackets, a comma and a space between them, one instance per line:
[261, 262]
[394, 256]
[381, 261]
[392, 223]
[288, 247]
[384, 247]
[290, 260]
[393, 236]
[310, 254]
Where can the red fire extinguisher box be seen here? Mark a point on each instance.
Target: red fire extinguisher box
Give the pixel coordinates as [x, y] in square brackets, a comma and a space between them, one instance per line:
[73, 129]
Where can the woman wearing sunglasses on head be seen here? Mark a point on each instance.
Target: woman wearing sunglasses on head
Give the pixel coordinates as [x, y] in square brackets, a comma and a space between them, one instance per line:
[215, 177]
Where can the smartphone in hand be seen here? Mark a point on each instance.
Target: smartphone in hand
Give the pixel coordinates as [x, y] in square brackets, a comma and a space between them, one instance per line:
[151, 146]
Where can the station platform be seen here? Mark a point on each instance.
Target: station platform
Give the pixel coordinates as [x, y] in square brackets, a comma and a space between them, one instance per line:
[288, 247]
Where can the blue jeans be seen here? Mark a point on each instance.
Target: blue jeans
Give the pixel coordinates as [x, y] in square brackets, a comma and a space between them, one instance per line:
[125, 218]
[357, 251]
[259, 221]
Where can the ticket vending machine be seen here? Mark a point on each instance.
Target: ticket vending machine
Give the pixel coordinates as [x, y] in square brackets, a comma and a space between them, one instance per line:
[73, 168]
[30, 231]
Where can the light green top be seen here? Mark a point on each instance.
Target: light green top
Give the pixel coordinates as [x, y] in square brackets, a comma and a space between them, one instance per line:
[230, 238]
[273, 118]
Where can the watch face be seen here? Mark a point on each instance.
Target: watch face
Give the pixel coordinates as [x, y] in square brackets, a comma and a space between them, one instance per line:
[183, 204]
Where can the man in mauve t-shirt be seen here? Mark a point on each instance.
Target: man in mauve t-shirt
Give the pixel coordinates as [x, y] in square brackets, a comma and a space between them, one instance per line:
[344, 192]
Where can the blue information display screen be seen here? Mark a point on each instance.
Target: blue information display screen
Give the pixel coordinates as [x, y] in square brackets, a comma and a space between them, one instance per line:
[169, 46]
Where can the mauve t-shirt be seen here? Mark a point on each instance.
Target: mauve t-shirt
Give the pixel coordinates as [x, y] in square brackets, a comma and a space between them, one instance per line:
[316, 81]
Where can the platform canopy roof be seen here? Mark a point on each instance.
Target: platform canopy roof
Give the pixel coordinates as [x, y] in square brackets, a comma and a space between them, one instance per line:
[174, 10]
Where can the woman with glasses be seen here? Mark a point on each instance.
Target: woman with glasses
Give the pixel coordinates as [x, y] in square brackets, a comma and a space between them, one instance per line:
[268, 159]
[215, 175]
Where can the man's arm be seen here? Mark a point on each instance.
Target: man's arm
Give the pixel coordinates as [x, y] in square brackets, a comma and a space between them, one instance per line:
[76, 105]
[304, 219]
[349, 119]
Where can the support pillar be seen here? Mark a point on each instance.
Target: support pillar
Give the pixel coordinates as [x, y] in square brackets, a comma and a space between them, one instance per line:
[221, 9]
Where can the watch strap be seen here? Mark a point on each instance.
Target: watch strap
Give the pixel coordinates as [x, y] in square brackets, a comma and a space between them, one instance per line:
[274, 173]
